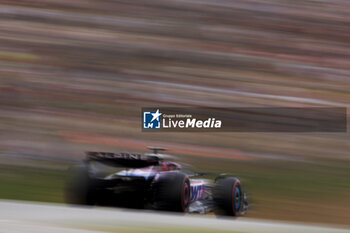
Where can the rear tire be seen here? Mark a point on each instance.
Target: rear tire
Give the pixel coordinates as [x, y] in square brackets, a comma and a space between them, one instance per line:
[80, 188]
[228, 196]
[172, 192]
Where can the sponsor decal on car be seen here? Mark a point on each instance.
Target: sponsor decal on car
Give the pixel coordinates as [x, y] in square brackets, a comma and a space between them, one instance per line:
[197, 191]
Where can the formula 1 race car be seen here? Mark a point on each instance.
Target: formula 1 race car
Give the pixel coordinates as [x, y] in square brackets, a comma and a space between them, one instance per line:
[151, 181]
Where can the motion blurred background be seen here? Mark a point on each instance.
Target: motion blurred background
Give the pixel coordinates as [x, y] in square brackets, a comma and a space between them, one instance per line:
[75, 74]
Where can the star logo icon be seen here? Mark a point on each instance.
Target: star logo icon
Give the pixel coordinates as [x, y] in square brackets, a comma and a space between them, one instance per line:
[151, 119]
[156, 115]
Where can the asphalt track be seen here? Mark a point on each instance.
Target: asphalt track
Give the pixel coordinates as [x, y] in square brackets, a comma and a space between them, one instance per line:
[27, 217]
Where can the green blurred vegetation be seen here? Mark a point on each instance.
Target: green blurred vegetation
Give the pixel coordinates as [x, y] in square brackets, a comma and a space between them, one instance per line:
[280, 190]
[31, 183]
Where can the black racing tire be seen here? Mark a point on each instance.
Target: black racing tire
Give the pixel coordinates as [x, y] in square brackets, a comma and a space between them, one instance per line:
[228, 195]
[172, 192]
[80, 188]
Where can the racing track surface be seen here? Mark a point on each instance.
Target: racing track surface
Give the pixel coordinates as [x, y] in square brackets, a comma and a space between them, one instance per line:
[26, 217]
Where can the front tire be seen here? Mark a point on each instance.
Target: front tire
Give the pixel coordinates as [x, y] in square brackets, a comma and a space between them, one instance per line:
[229, 196]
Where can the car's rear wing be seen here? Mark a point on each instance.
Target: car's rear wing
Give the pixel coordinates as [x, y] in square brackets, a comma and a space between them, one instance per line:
[123, 159]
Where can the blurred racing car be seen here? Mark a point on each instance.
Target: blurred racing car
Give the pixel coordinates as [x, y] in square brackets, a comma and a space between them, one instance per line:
[152, 181]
